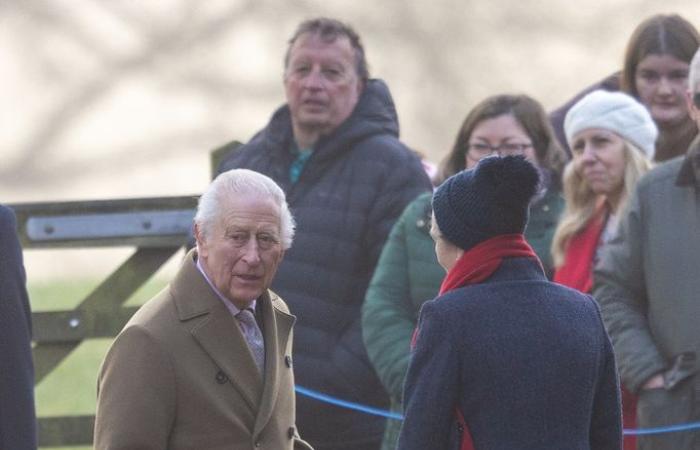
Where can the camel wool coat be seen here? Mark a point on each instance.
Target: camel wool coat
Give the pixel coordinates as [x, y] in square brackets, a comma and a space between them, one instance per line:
[180, 376]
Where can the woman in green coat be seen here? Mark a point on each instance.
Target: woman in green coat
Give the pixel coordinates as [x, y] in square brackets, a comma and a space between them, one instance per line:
[408, 273]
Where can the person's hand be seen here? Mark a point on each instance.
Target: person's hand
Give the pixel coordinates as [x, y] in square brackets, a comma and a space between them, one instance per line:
[655, 382]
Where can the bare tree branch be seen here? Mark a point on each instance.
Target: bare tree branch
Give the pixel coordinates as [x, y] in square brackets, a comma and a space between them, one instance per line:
[77, 101]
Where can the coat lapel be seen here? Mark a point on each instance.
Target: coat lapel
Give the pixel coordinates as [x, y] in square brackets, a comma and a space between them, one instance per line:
[222, 340]
[216, 331]
[277, 328]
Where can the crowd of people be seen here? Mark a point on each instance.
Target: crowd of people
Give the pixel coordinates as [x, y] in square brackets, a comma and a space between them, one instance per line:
[538, 292]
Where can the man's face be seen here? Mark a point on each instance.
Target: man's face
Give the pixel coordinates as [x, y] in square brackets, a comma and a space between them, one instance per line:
[241, 251]
[321, 83]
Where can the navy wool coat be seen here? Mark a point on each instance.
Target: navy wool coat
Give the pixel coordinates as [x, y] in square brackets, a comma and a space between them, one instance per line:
[527, 362]
[17, 419]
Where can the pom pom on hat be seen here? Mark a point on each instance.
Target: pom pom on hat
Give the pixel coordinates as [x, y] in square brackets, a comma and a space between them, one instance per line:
[489, 200]
[616, 112]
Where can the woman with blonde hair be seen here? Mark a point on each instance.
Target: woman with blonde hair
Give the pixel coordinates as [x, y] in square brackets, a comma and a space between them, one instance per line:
[612, 138]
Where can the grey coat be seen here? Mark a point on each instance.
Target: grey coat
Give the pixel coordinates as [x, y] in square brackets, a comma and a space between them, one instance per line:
[648, 286]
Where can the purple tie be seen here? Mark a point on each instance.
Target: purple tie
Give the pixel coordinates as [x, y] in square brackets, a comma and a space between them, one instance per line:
[253, 336]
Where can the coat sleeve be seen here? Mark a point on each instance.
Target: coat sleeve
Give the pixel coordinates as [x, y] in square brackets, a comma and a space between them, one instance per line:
[387, 314]
[17, 415]
[606, 423]
[432, 385]
[619, 287]
[136, 394]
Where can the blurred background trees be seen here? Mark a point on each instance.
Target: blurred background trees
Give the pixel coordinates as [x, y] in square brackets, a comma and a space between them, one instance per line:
[118, 98]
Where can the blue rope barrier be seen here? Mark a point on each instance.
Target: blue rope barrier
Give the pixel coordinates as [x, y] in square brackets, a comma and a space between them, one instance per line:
[395, 416]
[659, 430]
[346, 404]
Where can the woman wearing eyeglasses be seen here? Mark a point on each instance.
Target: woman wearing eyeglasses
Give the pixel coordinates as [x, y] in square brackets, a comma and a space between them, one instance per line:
[612, 138]
[408, 273]
[508, 125]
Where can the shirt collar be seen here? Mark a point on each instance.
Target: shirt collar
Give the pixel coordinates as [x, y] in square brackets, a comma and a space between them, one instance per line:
[229, 304]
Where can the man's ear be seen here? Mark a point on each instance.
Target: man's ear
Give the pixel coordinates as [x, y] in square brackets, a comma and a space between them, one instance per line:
[199, 238]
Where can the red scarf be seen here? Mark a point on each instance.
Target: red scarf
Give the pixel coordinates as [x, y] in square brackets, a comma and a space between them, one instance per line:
[482, 260]
[474, 266]
[577, 270]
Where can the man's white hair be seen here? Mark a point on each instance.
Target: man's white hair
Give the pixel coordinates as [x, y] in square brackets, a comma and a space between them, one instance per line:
[694, 74]
[242, 182]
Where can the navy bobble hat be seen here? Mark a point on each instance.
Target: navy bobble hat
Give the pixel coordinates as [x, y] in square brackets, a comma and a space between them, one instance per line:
[489, 200]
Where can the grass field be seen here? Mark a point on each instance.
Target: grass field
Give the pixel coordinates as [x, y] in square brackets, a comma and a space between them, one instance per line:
[70, 388]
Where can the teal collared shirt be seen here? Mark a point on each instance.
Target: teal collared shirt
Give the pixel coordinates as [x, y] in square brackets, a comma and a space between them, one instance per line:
[302, 157]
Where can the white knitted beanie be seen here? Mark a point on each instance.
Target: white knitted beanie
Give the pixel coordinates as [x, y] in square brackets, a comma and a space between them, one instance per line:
[616, 112]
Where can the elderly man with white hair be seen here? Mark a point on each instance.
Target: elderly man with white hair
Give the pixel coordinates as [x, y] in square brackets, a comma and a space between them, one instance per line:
[648, 286]
[207, 362]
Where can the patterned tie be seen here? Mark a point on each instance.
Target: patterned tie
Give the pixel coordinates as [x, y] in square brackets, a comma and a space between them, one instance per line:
[253, 336]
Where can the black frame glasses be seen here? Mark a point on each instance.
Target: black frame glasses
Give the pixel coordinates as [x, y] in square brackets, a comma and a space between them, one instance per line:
[482, 150]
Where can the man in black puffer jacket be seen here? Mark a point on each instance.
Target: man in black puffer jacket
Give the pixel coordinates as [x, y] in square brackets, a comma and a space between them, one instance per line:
[334, 149]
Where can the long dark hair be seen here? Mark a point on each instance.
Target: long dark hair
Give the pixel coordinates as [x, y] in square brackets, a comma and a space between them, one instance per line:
[661, 34]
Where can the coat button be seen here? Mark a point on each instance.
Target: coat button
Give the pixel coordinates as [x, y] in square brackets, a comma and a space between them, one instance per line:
[257, 444]
[290, 432]
[221, 377]
[288, 361]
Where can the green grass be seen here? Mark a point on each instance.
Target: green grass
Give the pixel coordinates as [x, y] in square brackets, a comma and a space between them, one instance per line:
[70, 388]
